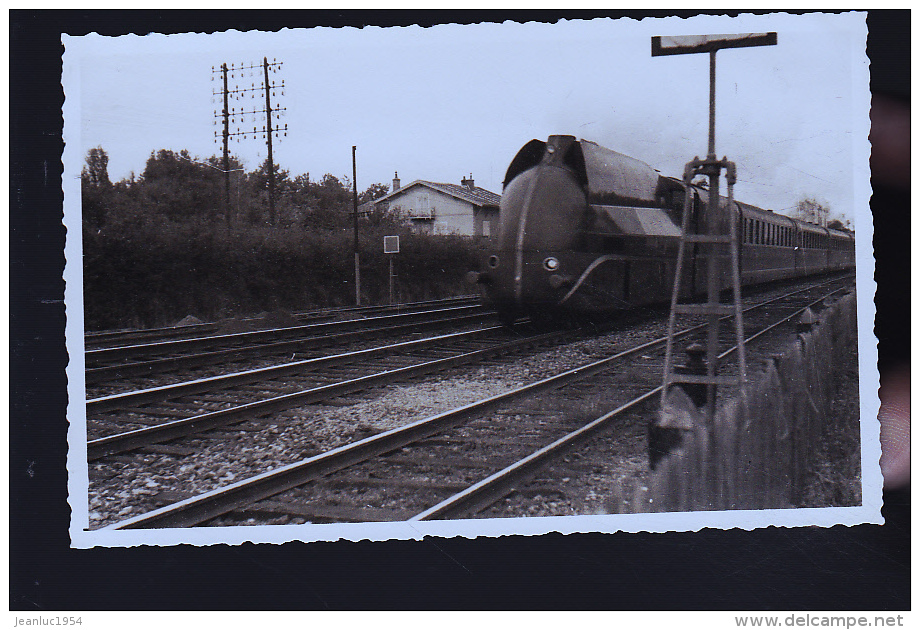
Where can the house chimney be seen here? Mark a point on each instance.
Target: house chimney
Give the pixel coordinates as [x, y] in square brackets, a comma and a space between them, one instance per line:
[395, 181]
[468, 182]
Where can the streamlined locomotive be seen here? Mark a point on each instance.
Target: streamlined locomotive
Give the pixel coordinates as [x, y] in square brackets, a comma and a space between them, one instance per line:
[584, 229]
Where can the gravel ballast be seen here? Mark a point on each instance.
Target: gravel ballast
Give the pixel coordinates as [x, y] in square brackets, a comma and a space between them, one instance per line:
[125, 486]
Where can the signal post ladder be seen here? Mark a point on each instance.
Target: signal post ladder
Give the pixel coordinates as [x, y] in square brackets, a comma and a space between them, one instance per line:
[713, 308]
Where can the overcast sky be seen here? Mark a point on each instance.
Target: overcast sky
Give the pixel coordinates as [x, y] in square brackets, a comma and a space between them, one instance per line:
[443, 102]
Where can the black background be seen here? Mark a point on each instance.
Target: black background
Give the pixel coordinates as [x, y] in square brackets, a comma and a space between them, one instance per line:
[840, 568]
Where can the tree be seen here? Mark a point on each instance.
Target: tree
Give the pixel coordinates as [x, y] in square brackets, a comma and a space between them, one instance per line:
[810, 210]
[841, 223]
[180, 187]
[284, 187]
[96, 170]
[232, 183]
[373, 192]
[95, 188]
[375, 214]
[333, 202]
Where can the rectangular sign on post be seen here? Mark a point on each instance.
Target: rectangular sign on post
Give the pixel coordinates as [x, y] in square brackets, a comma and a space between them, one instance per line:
[390, 244]
[686, 44]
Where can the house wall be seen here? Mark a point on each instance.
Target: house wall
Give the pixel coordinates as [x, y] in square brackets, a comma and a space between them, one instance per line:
[451, 215]
[485, 222]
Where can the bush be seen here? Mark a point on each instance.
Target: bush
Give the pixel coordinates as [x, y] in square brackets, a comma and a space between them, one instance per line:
[143, 275]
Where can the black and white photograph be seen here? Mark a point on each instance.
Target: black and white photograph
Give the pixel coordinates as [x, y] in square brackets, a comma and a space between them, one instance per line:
[605, 275]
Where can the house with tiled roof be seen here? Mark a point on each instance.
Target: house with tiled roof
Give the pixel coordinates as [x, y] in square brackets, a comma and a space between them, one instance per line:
[438, 208]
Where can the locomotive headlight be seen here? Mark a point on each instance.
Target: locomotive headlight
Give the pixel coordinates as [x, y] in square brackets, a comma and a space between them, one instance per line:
[551, 264]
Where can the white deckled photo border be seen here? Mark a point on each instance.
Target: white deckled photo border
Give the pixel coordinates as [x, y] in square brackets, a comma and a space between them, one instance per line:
[81, 117]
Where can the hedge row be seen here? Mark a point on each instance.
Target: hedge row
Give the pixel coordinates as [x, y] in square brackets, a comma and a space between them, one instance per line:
[155, 278]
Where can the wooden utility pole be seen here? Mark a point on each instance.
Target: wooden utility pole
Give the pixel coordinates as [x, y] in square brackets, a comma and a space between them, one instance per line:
[225, 115]
[271, 163]
[354, 183]
[231, 115]
[223, 68]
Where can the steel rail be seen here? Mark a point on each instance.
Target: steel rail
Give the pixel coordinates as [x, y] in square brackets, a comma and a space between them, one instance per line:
[495, 487]
[211, 383]
[208, 505]
[201, 508]
[110, 336]
[121, 352]
[486, 492]
[107, 338]
[383, 308]
[99, 374]
[130, 440]
[784, 320]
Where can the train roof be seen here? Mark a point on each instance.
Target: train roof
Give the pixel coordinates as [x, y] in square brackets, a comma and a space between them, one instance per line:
[615, 179]
[618, 176]
[610, 178]
[766, 215]
[797, 223]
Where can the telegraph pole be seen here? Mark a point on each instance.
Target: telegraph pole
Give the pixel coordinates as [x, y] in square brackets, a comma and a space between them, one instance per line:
[271, 163]
[223, 68]
[231, 115]
[354, 183]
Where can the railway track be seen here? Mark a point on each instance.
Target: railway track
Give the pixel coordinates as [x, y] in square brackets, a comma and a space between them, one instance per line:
[134, 419]
[130, 337]
[120, 368]
[457, 463]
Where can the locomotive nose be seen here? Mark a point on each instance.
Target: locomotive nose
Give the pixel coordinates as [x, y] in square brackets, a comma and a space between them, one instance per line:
[541, 210]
